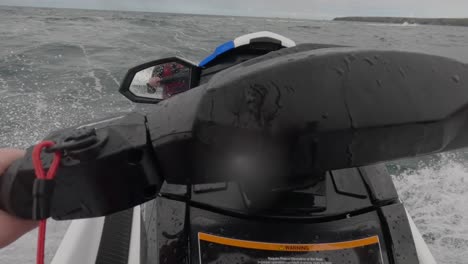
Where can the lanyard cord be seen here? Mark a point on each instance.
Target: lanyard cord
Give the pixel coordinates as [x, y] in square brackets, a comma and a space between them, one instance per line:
[41, 175]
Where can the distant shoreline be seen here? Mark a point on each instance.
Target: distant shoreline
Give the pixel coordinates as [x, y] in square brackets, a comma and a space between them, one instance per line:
[462, 22]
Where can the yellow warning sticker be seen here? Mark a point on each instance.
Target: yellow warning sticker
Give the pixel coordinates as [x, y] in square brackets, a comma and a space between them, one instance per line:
[213, 248]
[288, 247]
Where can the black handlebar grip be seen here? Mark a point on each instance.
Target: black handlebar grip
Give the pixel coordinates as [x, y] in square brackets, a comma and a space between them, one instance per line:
[116, 173]
[14, 191]
[17, 186]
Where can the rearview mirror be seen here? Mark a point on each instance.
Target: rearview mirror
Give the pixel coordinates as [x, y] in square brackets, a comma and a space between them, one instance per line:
[155, 81]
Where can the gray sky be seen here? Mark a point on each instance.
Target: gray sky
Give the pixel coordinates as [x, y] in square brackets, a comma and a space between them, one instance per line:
[283, 8]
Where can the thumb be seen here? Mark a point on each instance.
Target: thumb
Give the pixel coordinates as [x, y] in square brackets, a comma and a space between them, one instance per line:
[8, 156]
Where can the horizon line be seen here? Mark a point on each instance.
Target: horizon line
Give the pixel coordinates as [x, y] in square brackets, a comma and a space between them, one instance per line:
[328, 18]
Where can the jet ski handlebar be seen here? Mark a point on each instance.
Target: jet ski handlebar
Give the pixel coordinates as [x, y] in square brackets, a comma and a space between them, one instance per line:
[106, 167]
[276, 120]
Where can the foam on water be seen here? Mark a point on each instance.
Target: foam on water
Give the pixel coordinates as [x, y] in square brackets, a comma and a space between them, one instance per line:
[59, 68]
[405, 24]
[436, 195]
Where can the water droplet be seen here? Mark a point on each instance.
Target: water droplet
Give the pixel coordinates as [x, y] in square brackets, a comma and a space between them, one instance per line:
[402, 72]
[351, 57]
[379, 83]
[347, 61]
[368, 60]
[456, 78]
[339, 71]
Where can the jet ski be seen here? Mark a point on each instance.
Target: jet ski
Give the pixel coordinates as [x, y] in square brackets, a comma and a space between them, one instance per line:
[265, 152]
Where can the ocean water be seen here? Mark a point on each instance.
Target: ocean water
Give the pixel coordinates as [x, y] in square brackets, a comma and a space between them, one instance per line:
[62, 67]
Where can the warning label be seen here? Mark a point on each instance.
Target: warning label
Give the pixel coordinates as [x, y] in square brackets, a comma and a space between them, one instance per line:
[215, 248]
[283, 260]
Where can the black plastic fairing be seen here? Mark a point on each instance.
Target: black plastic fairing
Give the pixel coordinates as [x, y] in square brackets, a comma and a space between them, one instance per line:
[179, 220]
[379, 183]
[175, 231]
[114, 247]
[314, 202]
[168, 232]
[400, 237]
[313, 111]
[253, 52]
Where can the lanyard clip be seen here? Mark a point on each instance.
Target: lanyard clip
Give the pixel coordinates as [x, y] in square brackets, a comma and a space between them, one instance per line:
[43, 190]
[75, 140]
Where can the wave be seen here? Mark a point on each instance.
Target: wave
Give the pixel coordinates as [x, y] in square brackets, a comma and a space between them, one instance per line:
[73, 19]
[405, 24]
[435, 192]
[300, 27]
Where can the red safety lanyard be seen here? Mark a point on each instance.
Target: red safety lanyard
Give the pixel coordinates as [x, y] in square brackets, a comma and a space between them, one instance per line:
[41, 174]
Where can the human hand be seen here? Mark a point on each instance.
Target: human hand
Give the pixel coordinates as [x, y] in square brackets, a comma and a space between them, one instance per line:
[11, 228]
[154, 81]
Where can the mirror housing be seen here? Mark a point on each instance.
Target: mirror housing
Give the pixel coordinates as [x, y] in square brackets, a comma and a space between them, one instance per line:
[144, 83]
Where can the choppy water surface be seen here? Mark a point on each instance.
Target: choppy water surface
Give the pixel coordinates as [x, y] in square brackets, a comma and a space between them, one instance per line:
[62, 67]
